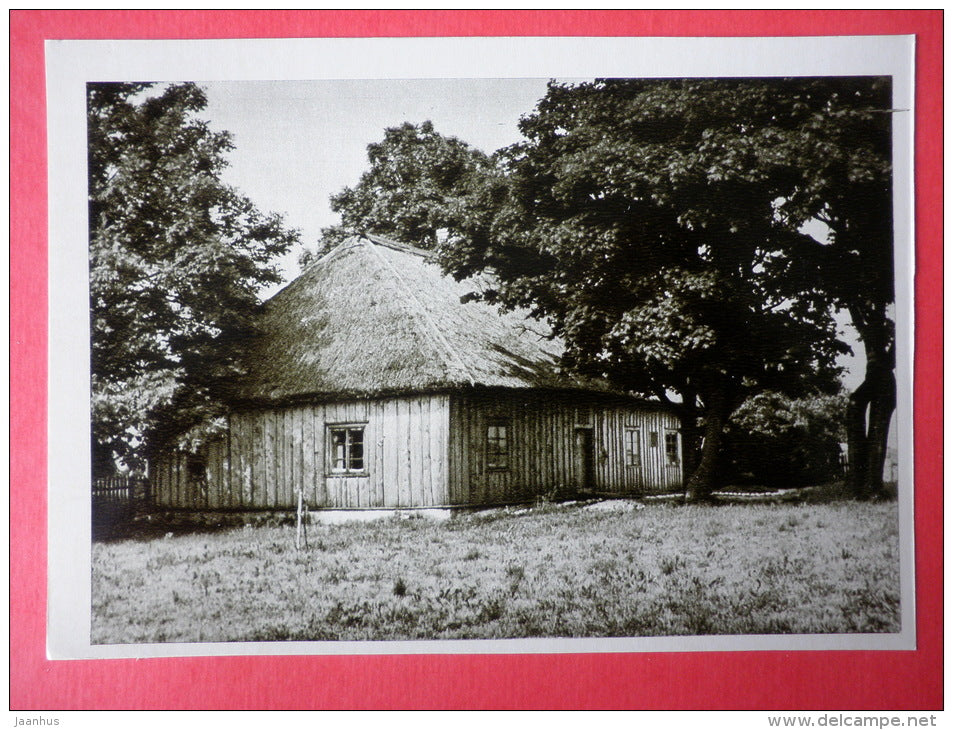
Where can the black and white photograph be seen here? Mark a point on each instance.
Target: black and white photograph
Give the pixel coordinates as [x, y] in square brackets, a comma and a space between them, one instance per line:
[385, 361]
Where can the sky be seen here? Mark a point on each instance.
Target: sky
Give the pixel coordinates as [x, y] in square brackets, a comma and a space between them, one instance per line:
[299, 142]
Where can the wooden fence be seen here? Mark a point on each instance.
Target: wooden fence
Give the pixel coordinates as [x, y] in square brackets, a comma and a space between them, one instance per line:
[119, 497]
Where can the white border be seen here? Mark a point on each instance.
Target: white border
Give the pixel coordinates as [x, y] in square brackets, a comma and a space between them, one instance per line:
[70, 64]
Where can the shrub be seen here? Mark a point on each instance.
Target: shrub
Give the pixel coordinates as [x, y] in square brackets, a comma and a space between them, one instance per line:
[773, 439]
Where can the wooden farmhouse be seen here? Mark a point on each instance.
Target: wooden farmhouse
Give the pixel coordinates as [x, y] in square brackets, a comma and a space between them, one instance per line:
[374, 386]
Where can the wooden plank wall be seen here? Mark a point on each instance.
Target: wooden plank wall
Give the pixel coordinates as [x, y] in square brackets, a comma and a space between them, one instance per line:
[542, 433]
[269, 454]
[420, 451]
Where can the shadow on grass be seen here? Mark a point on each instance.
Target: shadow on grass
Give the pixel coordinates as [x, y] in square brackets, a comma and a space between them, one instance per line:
[116, 525]
[817, 494]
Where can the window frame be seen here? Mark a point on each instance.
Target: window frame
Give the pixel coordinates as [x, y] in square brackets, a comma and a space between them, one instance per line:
[491, 463]
[669, 461]
[332, 469]
[632, 436]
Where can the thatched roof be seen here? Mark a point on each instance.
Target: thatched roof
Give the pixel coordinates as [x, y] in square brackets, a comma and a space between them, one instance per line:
[375, 317]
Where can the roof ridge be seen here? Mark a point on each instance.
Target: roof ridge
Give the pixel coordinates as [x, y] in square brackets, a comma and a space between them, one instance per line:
[347, 243]
[397, 245]
[434, 332]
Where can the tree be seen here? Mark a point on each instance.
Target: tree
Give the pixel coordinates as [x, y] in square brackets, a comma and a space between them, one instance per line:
[839, 173]
[822, 147]
[658, 226]
[176, 261]
[415, 176]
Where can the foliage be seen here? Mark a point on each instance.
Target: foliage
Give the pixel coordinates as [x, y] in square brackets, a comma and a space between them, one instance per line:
[772, 439]
[832, 160]
[176, 261]
[658, 225]
[414, 177]
[571, 572]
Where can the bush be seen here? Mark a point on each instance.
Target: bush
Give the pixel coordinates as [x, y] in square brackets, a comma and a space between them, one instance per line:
[772, 439]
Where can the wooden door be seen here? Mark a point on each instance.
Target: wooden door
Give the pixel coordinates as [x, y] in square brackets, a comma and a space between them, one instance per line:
[583, 461]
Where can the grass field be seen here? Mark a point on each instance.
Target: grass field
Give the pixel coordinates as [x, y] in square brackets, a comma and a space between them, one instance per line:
[548, 571]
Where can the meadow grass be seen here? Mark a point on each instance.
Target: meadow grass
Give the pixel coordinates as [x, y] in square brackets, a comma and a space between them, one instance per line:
[546, 572]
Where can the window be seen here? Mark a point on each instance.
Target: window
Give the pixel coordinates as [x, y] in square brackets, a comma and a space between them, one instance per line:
[633, 447]
[346, 448]
[653, 439]
[671, 448]
[497, 446]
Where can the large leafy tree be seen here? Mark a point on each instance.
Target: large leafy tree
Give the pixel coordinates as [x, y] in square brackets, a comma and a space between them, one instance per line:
[836, 167]
[823, 148]
[177, 259]
[414, 179]
[659, 225]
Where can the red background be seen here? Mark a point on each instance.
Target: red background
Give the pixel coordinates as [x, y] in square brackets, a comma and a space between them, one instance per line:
[855, 680]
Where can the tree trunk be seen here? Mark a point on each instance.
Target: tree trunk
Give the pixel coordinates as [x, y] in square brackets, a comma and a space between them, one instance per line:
[857, 452]
[692, 440]
[699, 486]
[868, 424]
[881, 410]
[691, 433]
